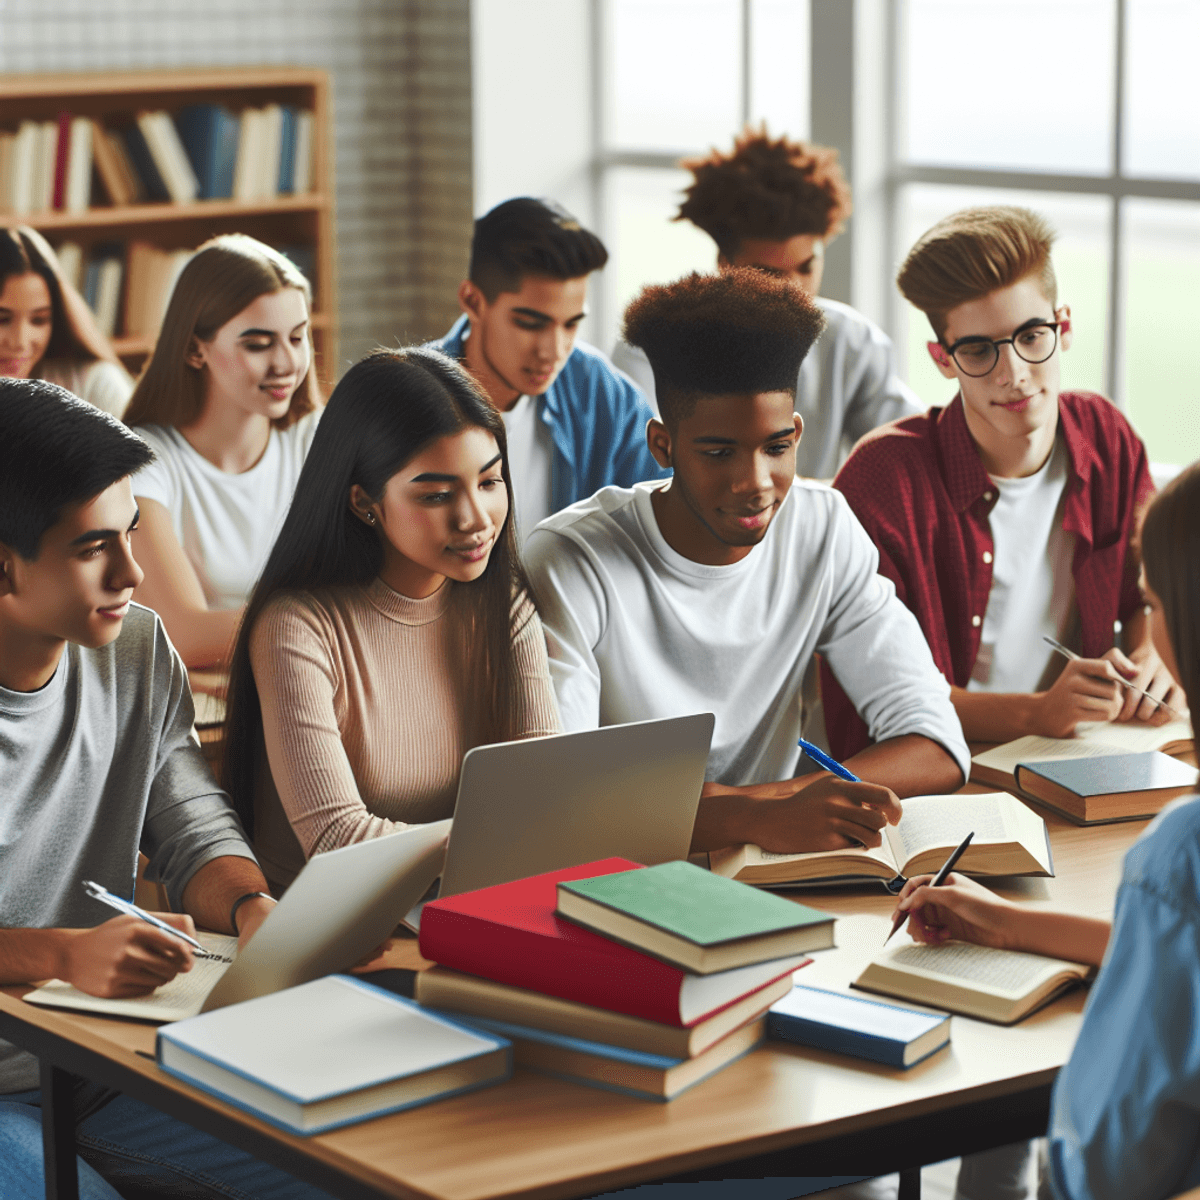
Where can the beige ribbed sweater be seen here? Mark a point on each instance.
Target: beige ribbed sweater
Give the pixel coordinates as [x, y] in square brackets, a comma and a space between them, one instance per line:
[361, 717]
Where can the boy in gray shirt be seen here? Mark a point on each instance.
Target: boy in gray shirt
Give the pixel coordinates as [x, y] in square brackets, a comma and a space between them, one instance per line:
[97, 762]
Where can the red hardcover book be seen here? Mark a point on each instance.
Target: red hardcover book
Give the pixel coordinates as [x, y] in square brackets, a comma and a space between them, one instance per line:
[61, 151]
[510, 933]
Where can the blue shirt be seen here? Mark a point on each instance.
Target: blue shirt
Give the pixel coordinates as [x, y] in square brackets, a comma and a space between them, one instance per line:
[1125, 1121]
[597, 419]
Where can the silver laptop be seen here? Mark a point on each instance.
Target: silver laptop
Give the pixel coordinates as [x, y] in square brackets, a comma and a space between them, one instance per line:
[341, 906]
[538, 805]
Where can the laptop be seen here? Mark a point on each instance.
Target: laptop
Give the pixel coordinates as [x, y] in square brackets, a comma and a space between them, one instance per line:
[341, 906]
[537, 805]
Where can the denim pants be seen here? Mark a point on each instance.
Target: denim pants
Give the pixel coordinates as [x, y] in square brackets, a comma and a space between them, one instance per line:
[130, 1151]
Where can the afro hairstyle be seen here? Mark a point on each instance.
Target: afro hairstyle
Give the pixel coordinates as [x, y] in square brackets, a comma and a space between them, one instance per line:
[738, 332]
[770, 189]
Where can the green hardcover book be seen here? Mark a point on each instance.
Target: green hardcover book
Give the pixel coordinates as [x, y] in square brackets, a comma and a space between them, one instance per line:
[696, 920]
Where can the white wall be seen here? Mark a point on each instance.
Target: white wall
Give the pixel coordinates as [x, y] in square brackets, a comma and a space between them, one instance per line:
[532, 110]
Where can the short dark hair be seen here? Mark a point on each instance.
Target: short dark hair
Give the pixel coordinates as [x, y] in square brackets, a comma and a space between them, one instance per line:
[55, 450]
[767, 188]
[530, 237]
[718, 335]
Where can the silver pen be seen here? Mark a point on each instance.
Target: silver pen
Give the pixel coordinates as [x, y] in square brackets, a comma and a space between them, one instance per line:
[1073, 656]
[131, 910]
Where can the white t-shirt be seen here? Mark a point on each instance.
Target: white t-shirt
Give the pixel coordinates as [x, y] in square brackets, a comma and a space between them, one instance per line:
[101, 383]
[847, 386]
[225, 523]
[636, 630]
[530, 459]
[1033, 590]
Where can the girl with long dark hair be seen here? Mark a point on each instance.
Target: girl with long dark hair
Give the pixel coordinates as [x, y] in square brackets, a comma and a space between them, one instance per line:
[391, 629]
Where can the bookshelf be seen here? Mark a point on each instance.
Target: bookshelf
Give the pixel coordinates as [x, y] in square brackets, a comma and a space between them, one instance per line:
[113, 98]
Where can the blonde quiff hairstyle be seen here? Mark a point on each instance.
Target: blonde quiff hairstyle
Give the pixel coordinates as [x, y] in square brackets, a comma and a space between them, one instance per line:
[973, 252]
[222, 278]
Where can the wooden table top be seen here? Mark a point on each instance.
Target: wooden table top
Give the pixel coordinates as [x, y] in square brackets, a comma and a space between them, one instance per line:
[536, 1136]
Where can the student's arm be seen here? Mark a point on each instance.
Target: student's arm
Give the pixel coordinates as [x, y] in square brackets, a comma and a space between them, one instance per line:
[966, 911]
[204, 638]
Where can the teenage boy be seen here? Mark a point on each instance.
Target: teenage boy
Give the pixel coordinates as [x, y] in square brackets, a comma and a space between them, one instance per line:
[775, 205]
[95, 722]
[574, 423]
[1009, 515]
[712, 593]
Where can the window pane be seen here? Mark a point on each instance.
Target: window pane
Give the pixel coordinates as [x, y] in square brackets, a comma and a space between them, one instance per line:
[1080, 265]
[646, 245]
[1162, 312]
[779, 65]
[1027, 84]
[676, 79]
[1162, 117]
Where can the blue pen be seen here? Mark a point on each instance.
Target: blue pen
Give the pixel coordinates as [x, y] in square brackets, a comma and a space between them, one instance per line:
[830, 764]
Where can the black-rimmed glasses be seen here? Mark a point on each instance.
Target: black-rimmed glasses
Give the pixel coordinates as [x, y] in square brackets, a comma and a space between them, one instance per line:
[977, 356]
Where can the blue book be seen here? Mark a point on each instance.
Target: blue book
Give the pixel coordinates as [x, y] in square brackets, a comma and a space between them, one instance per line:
[328, 1053]
[210, 133]
[287, 150]
[614, 1068]
[871, 1029]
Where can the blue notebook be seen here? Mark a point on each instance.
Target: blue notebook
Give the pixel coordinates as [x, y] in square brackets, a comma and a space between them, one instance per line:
[871, 1029]
[614, 1068]
[328, 1053]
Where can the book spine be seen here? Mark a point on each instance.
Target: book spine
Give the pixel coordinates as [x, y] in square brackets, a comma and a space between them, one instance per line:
[624, 981]
[840, 1040]
[62, 154]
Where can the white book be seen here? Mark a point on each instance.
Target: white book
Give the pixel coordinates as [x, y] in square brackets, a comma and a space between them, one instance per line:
[266, 175]
[108, 295]
[249, 149]
[25, 153]
[70, 263]
[78, 190]
[302, 178]
[45, 150]
[330, 1052]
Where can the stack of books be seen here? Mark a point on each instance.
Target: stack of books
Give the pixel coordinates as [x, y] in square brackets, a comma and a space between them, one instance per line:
[643, 980]
[203, 152]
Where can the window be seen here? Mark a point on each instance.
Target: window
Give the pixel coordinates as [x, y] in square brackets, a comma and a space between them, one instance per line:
[1088, 111]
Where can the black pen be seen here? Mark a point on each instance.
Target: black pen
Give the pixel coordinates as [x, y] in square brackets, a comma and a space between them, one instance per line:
[938, 880]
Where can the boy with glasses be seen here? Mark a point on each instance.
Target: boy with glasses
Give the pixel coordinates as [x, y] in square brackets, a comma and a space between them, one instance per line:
[1010, 515]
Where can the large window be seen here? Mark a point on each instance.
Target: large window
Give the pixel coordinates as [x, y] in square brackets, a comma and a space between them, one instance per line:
[675, 78]
[1089, 111]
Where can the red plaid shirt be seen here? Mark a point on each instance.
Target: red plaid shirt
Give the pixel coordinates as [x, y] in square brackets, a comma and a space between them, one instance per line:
[921, 492]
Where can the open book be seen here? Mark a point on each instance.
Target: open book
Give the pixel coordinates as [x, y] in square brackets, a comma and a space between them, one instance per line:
[993, 985]
[1010, 839]
[1093, 739]
[182, 997]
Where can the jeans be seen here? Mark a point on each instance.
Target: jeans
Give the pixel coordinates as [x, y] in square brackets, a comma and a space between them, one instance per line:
[130, 1151]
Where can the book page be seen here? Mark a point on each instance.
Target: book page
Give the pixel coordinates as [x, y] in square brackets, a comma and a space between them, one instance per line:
[930, 822]
[182, 997]
[1008, 972]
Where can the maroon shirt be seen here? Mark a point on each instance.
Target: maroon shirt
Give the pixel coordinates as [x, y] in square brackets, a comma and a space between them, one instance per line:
[920, 490]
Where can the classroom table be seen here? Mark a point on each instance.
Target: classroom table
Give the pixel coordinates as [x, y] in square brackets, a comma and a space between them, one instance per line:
[783, 1110]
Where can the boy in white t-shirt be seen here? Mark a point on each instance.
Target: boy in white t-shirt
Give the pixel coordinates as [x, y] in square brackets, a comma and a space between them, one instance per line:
[712, 592]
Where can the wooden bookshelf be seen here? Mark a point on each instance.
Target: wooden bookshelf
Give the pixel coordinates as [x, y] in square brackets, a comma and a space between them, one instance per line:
[113, 98]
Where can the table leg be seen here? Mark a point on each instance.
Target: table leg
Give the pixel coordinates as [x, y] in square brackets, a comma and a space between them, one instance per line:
[910, 1184]
[58, 1133]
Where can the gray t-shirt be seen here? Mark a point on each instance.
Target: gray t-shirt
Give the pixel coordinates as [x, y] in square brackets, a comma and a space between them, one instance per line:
[94, 766]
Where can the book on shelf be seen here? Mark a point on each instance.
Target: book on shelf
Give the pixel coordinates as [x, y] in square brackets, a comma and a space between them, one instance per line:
[1115, 787]
[872, 1029]
[1093, 739]
[210, 134]
[114, 167]
[329, 1053]
[631, 1072]
[440, 987]
[511, 933]
[1010, 839]
[181, 997]
[77, 186]
[1002, 986]
[690, 917]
